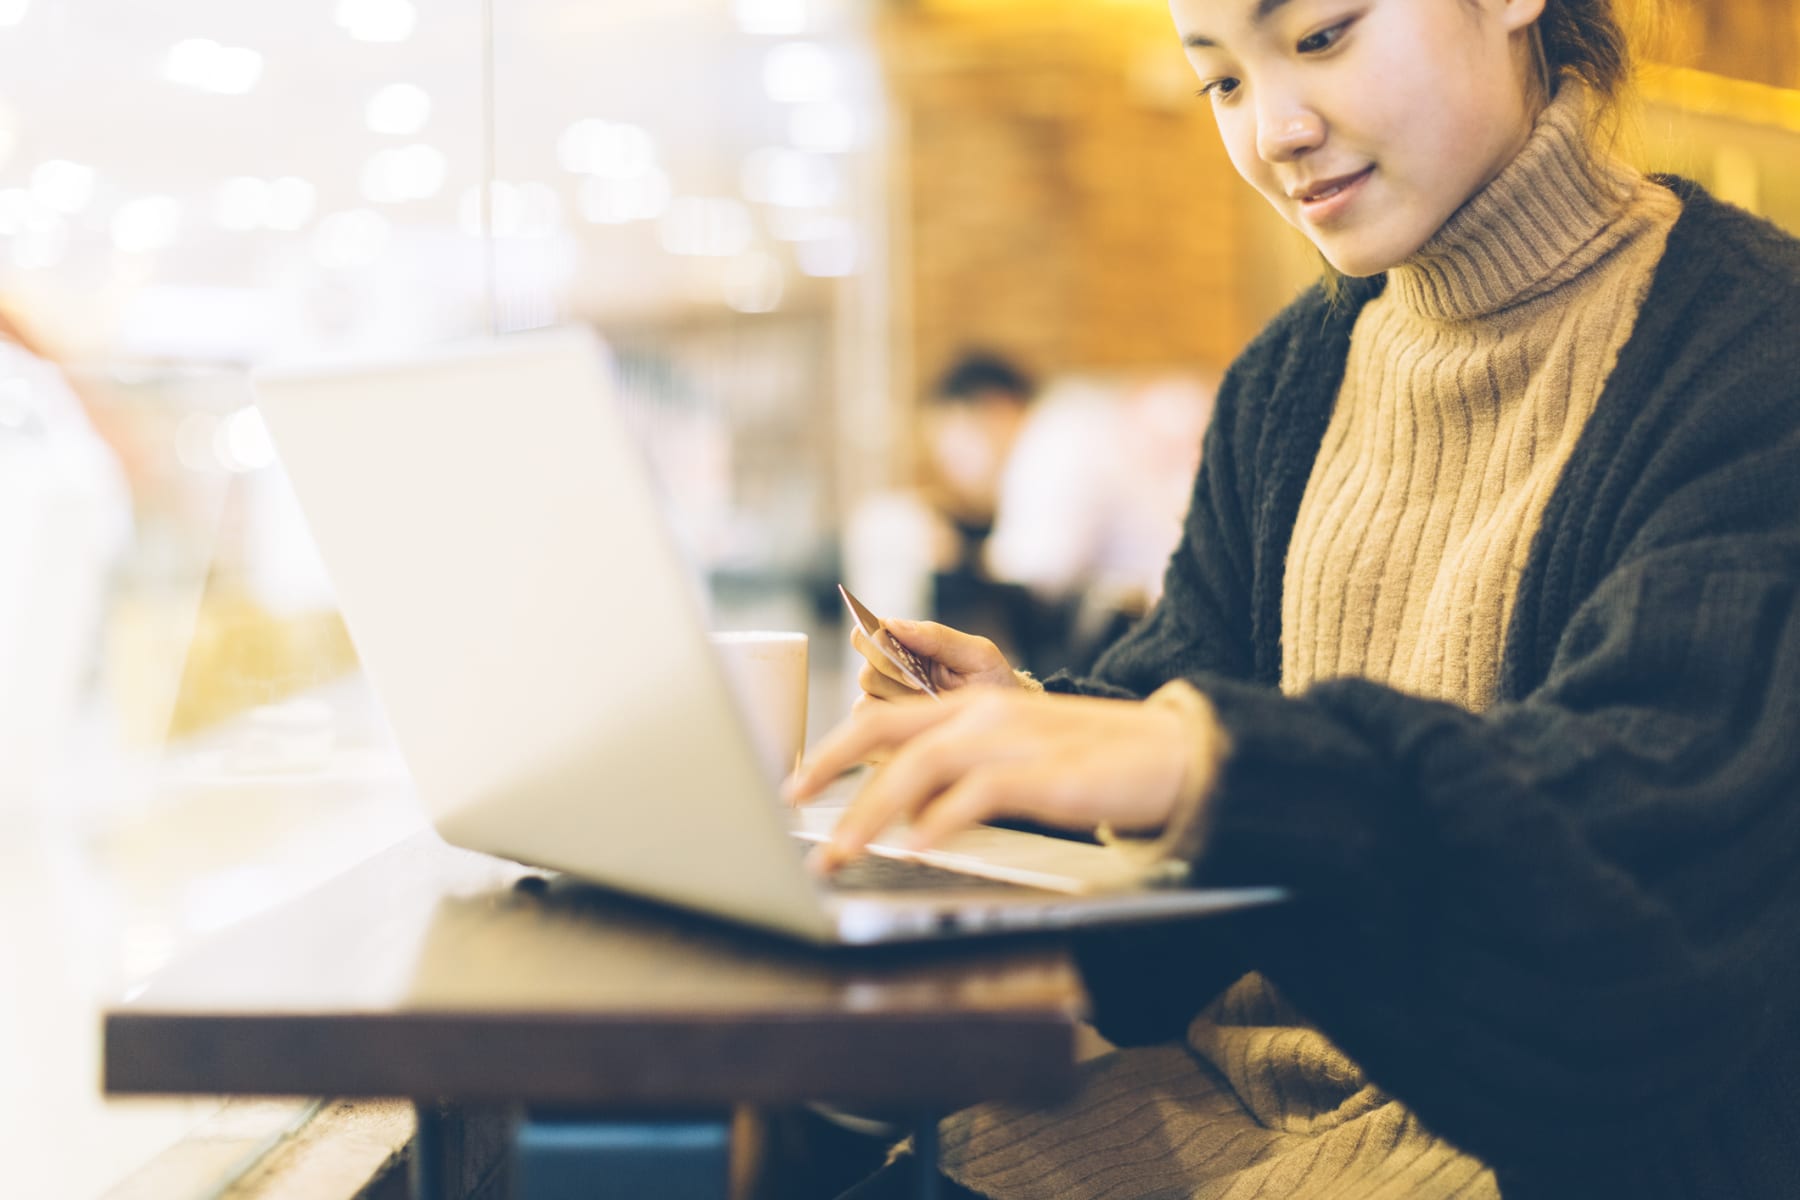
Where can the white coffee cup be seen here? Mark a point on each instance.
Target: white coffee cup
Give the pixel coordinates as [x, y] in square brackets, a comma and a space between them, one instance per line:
[767, 672]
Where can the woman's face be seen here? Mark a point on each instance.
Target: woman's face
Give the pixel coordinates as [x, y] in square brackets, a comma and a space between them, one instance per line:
[1366, 123]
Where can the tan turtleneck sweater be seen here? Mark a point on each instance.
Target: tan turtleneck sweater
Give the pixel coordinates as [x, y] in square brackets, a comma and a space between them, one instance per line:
[1468, 382]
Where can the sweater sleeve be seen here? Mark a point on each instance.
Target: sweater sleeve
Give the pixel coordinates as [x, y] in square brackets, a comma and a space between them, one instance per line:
[1574, 916]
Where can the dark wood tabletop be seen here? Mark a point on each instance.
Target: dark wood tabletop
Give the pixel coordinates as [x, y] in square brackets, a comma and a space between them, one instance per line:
[432, 971]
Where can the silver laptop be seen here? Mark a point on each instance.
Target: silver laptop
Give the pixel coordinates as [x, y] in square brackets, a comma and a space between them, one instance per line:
[532, 632]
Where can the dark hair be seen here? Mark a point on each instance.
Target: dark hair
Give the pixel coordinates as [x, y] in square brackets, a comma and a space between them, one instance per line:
[1584, 38]
[978, 372]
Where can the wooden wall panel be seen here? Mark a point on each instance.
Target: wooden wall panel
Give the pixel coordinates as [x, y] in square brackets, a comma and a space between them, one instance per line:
[1755, 40]
[1060, 193]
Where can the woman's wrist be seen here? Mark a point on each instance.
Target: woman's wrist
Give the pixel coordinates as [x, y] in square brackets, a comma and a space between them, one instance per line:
[1168, 858]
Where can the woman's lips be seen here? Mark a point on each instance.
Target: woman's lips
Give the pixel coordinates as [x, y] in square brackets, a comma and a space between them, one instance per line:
[1324, 205]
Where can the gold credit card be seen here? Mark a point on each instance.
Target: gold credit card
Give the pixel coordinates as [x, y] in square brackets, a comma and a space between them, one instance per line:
[916, 670]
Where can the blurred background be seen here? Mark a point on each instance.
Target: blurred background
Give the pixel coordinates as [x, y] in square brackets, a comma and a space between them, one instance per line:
[930, 296]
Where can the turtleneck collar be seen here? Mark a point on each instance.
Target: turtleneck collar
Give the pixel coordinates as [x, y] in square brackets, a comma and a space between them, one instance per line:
[1543, 220]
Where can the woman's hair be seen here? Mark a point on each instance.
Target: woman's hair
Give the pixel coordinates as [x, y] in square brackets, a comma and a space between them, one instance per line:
[1583, 39]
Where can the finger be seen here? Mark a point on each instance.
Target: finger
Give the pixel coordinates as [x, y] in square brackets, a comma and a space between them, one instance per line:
[862, 707]
[983, 794]
[912, 779]
[876, 657]
[963, 653]
[882, 726]
[859, 707]
[882, 687]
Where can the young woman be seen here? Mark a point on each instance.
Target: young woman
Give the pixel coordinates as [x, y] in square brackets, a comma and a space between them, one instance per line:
[1482, 638]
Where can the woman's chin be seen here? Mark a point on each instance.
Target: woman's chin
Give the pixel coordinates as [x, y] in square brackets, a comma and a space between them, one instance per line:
[1358, 262]
[1360, 253]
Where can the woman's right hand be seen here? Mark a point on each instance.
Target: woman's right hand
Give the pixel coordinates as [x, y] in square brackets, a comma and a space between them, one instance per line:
[956, 660]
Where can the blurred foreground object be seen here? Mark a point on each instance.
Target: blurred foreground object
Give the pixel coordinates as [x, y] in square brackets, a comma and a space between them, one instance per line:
[65, 515]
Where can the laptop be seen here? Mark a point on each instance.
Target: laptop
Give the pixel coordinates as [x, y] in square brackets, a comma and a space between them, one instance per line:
[534, 636]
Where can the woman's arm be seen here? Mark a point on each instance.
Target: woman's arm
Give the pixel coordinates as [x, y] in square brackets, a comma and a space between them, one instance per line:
[1146, 983]
[1576, 916]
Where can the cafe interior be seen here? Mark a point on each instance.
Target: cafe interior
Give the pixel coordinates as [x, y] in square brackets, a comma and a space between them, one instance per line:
[785, 220]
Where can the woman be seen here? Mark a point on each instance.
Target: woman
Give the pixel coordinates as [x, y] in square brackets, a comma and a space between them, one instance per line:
[1482, 638]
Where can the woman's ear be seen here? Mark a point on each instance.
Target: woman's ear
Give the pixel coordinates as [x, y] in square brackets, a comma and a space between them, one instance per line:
[1516, 15]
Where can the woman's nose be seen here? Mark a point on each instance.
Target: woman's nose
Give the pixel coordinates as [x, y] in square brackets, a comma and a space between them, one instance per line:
[1289, 133]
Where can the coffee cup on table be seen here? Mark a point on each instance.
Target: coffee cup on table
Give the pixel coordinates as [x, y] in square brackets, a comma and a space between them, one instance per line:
[767, 674]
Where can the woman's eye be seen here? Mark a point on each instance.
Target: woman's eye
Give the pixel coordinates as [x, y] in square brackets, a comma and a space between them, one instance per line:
[1217, 89]
[1325, 39]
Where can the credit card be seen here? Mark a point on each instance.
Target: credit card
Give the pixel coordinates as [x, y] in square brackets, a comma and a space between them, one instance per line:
[916, 670]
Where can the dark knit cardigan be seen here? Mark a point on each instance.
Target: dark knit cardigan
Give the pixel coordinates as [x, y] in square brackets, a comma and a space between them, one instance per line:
[1564, 931]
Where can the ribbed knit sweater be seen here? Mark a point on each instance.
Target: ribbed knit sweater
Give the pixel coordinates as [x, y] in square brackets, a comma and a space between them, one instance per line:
[1468, 382]
[1562, 930]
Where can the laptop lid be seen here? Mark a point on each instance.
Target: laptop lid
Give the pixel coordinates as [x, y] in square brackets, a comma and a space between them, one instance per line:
[528, 624]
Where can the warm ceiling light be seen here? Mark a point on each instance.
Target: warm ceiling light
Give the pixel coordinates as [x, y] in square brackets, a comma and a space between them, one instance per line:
[247, 444]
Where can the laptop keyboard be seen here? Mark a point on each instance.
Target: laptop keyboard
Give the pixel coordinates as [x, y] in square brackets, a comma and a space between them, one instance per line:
[872, 873]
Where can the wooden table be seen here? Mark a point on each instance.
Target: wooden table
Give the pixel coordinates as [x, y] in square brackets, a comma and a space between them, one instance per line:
[442, 975]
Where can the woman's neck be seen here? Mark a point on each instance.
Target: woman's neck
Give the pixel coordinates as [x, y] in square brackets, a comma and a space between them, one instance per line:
[1539, 222]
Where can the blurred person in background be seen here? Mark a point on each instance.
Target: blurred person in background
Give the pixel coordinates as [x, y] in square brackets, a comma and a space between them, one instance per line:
[968, 429]
[1483, 639]
[1092, 499]
[923, 550]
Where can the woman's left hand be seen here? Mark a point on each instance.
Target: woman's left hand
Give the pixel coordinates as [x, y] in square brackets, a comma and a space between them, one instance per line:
[1066, 761]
